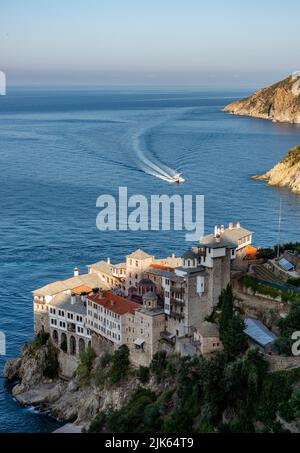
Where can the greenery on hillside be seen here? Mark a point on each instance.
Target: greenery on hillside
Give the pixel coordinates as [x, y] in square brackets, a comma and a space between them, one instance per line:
[229, 392]
[85, 366]
[288, 326]
[293, 156]
[231, 326]
[210, 395]
[257, 287]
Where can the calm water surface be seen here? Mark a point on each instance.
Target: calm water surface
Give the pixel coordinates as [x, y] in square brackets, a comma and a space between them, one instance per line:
[60, 149]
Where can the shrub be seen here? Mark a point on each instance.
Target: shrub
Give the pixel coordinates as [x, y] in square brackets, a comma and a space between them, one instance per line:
[294, 282]
[52, 365]
[105, 359]
[40, 340]
[98, 423]
[99, 376]
[231, 326]
[159, 364]
[85, 366]
[143, 374]
[120, 364]
[266, 254]
[287, 327]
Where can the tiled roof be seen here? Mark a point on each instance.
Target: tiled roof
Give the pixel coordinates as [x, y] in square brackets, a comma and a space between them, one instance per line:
[102, 266]
[90, 280]
[63, 301]
[161, 267]
[209, 329]
[227, 239]
[82, 289]
[114, 303]
[139, 255]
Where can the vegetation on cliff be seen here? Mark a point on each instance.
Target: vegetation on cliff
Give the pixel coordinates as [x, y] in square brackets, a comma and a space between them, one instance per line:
[286, 173]
[279, 102]
[230, 392]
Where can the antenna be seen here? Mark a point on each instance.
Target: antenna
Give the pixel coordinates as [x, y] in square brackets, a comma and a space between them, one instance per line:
[279, 228]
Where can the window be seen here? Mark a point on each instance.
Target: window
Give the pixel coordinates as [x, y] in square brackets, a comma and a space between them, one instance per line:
[136, 263]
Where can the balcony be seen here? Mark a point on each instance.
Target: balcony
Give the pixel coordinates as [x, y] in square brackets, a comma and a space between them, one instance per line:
[177, 303]
[176, 315]
[71, 327]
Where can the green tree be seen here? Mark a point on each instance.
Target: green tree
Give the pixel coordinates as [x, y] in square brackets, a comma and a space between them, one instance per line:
[287, 327]
[143, 374]
[120, 364]
[266, 254]
[52, 365]
[85, 366]
[159, 364]
[231, 326]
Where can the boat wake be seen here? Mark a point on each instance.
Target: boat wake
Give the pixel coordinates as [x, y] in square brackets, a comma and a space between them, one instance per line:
[149, 163]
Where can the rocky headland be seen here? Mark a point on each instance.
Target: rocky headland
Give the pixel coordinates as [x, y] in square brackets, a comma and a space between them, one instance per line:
[286, 173]
[279, 102]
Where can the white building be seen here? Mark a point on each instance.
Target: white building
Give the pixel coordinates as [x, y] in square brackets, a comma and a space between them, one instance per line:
[67, 322]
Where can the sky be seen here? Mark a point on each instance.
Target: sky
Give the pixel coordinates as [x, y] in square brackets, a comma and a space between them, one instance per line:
[149, 42]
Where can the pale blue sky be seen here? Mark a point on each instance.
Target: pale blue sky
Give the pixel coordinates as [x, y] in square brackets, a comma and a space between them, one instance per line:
[149, 42]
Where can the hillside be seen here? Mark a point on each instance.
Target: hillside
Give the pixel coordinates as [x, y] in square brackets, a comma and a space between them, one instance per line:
[233, 391]
[286, 173]
[279, 102]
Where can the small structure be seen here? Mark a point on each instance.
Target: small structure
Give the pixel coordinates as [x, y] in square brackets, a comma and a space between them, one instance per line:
[259, 335]
[286, 265]
[208, 338]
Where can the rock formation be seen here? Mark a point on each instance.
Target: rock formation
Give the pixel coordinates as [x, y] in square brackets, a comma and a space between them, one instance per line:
[286, 173]
[279, 102]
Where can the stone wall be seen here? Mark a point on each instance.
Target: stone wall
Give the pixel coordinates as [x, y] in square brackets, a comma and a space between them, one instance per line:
[278, 363]
[102, 345]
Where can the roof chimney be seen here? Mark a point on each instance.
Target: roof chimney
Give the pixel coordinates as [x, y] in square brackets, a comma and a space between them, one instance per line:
[173, 255]
[222, 229]
[73, 299]
[230, 226]
[218, 238]
[215, 231]
[108, 260]
[238, 225]
[76, 272]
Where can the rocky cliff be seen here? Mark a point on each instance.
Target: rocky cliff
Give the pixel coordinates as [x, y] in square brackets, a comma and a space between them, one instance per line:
[65, 397]
[286, 173]
[279, 102]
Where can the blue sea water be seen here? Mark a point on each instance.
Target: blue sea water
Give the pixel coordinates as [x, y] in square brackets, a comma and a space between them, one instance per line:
[62, 148]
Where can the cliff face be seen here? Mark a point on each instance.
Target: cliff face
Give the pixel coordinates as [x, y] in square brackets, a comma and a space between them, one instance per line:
[286, 173]
[65, 398]
[279, 102]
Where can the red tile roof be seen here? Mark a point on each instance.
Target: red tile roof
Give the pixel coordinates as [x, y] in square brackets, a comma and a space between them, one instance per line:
[162, 267]
[114, 303]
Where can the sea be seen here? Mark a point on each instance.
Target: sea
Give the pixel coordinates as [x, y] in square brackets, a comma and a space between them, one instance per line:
[61, 148]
